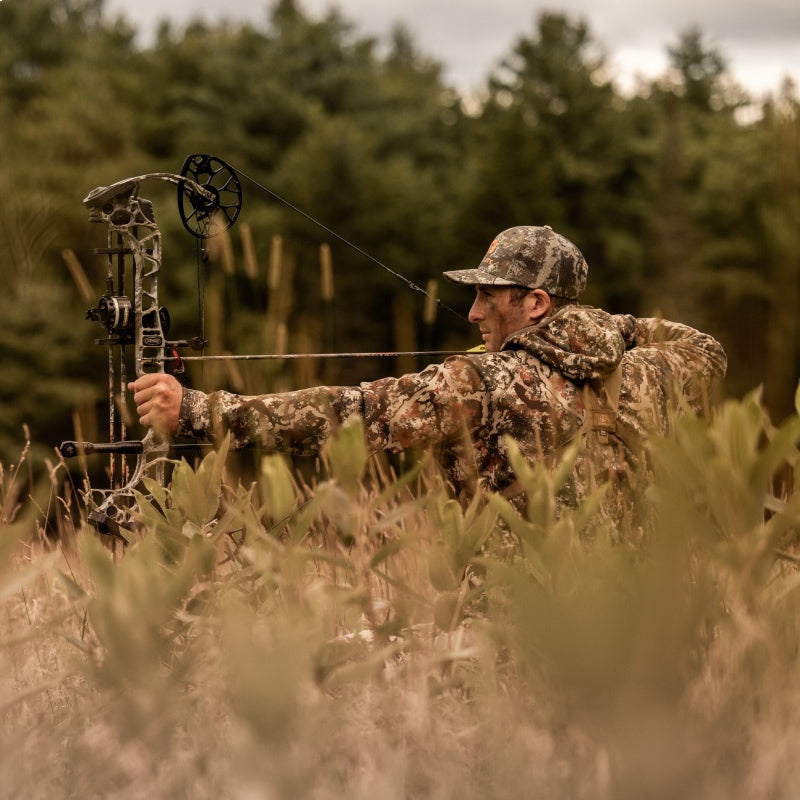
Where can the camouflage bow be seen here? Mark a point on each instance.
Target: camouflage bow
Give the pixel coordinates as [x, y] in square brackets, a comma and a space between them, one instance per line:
[209, 200]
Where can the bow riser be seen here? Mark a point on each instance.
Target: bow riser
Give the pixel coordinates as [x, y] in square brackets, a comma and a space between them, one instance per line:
[131, 222]
[132, 234]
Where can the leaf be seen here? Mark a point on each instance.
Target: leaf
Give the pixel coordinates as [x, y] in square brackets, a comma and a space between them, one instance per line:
[481, 524]
[387, 551]
[277, 487]
[397, 486]
[98, 562]
[76, 591]
[347, 451]
[441, 568]
[196, 493]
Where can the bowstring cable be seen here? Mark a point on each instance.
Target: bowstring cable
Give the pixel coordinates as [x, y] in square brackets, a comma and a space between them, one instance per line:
[409, 283]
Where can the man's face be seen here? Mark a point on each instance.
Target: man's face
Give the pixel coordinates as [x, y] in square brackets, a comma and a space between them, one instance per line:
[497, 316]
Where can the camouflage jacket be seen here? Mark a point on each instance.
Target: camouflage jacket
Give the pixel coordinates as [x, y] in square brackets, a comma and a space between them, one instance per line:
[533, 390]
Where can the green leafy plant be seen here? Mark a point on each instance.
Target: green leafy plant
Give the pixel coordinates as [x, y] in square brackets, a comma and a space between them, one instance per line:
[369, 634]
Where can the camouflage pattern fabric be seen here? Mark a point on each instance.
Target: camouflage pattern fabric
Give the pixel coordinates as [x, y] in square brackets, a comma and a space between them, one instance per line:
[532, 390]
[532, 256]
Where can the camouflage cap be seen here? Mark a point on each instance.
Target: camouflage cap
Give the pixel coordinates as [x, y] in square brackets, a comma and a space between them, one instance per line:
[536, 257]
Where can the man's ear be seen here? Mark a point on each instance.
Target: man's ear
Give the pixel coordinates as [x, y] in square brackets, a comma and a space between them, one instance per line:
[538, 304]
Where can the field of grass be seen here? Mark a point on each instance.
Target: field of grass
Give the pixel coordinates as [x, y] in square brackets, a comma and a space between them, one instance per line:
[372, 639]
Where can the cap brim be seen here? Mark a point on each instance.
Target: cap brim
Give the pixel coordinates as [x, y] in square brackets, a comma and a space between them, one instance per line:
[476, 277]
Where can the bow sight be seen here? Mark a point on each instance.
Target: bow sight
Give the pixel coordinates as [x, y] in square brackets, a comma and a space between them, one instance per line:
[209, 201]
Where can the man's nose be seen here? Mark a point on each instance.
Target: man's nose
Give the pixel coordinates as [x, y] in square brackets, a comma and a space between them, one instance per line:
[476, 312]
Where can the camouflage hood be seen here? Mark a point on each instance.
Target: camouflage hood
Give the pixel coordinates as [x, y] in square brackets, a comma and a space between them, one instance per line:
[580, 342]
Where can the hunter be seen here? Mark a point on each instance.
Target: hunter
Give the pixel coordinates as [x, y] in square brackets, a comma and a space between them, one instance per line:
[553, 371]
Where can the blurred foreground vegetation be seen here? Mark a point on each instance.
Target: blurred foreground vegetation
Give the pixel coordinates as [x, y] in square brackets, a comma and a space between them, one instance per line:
[683, 192]
[291, 641]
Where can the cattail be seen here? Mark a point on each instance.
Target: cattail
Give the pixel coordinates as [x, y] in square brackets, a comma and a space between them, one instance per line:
[326, 291]
[404, 335]
[326, 272]
[235, 377]
[78, 274]
[431, 302]
[429, 313]
[249, 252]
[275, 259]
[220, 249]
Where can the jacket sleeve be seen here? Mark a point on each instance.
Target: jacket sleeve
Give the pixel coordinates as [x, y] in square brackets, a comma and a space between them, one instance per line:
[418, 409]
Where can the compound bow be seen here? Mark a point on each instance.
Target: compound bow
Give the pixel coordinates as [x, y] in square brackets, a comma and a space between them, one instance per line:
[209, 201]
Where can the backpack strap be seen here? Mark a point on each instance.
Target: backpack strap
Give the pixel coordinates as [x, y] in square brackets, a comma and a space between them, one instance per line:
[602, 405]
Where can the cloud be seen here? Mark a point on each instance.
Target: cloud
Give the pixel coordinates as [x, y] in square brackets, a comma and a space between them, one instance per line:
[759, 38]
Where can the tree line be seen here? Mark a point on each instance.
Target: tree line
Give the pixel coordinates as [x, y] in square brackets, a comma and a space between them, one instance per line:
[683, 193]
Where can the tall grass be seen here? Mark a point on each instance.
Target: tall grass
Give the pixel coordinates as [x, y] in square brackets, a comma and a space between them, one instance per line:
[369, 637]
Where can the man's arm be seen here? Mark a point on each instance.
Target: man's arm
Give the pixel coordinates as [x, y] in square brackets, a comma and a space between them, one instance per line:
[691, 361]
[297, 422]
[689, 350]
[415, 410]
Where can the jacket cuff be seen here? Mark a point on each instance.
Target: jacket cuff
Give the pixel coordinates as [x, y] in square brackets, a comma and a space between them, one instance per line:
[195, 415]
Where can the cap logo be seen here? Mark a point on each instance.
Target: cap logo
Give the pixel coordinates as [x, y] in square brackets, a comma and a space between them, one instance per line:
[492, 248]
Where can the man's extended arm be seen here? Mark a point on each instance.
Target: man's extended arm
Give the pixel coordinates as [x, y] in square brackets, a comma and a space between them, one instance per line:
[417, 409]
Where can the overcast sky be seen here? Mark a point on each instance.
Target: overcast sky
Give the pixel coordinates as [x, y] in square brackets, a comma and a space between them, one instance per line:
[759, 38]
